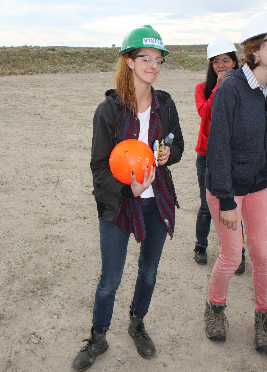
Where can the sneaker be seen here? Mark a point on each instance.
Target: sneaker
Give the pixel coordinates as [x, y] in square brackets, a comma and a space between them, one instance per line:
[242, 267]
[143, 342]
[201, 255]
[96, 345]
[261, 331]
[215, 321]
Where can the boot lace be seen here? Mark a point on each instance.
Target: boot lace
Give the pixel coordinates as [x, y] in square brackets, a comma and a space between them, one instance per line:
[89, 346]
[200, 250]
[140, 331]
[90, 342]
[217, 320]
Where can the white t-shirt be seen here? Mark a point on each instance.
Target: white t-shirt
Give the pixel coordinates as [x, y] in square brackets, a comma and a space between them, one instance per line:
[143, 136]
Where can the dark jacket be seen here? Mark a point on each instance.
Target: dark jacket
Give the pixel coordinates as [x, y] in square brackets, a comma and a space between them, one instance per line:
[236, 152]
[108, 125]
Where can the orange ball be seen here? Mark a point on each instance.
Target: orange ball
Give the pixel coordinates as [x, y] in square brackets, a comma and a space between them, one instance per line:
[130, 156]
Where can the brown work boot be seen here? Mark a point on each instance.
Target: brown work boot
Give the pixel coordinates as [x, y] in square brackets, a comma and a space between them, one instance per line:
[215, 321]
[261, 331]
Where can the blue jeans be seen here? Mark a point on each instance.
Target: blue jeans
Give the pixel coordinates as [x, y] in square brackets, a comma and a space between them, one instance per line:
[113, 246]
[203, 217]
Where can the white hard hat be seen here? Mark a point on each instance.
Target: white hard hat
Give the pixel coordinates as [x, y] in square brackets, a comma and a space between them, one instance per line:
[220, 45]
[255, 26]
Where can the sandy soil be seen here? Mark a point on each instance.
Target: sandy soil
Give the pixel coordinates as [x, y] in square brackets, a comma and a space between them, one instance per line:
[50, 259]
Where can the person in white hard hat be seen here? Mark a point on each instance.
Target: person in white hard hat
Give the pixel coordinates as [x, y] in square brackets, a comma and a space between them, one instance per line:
[237, 180]
[221, 54]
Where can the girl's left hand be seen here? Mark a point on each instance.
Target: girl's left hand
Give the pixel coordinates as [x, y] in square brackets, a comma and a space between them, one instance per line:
[164, 155]
[139, 188]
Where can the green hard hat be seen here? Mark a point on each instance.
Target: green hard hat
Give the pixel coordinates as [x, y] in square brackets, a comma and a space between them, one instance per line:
[143, 37]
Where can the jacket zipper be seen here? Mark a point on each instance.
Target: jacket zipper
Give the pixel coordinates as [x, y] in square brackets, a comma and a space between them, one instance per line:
[264, 143]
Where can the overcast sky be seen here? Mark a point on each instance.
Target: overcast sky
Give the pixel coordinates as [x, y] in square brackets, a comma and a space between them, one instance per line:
[101, 23]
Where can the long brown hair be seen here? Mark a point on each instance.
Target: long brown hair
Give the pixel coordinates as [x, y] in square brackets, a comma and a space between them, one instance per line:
[211, 79]
[124, 80]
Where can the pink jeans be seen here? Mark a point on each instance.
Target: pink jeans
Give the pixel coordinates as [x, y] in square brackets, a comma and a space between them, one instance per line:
[253, 208]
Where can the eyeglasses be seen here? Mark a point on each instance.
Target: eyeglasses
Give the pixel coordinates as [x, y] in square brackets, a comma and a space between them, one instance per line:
[148, 60]
[225, 61]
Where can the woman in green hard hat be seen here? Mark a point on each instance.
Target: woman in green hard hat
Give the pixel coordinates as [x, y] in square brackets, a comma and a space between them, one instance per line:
[133, 111]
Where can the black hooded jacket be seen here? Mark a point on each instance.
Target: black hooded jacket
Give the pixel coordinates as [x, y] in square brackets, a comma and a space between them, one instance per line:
[108, 125]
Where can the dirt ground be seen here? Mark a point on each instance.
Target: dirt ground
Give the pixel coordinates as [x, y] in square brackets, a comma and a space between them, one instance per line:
[50, 259]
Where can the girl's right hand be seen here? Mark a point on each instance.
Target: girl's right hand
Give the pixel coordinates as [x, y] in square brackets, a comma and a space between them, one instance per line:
[139, 188]
[229, 218]
[221, 76]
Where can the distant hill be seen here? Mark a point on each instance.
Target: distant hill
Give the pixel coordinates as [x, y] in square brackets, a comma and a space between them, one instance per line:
[41, 60]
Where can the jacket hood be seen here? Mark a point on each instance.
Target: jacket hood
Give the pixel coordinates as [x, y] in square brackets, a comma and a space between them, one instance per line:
[161, 95]
[238, 73]
[112, 93]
